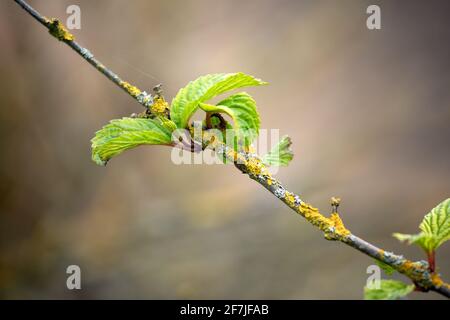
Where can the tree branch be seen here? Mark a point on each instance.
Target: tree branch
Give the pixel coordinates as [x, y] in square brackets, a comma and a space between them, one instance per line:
[250, 164]
[57, 29]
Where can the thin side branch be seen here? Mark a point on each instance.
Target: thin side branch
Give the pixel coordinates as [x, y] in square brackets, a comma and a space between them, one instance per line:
[333, 227]
[57, 29]
[250, 164]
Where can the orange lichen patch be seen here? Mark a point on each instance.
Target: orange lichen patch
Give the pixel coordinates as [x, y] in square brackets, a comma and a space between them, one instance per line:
[132, 90]
[437, 281]
[315, 217]
[159, 106]
[410, 269]
[59, 31]
[341, 230]
[381, 253]
[406, 267]
[332, 227]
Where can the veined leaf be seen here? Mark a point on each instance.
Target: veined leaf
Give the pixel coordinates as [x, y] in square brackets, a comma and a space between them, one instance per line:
[281, 154]
[389, 290]
[122, 134]
[437, 223]
[435, 228]
[204, 88]
[242, 109]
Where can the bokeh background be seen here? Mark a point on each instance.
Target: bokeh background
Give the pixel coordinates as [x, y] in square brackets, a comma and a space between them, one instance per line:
[368, 112]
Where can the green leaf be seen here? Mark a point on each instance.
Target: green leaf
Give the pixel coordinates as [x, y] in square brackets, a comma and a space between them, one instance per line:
[435, 228]
[242, 109]
[204, 88]
[281, 154]
[385, 267]
[389, 290]
[437, 223]
[420, 239]
[122, 134]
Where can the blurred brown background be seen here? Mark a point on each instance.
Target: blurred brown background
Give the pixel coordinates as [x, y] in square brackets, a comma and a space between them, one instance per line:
[368, 112]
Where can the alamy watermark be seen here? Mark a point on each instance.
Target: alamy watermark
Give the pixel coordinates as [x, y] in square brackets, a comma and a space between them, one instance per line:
[197, 146]
[374, 280]
[373, 21]
[73, 281]
[74, 18]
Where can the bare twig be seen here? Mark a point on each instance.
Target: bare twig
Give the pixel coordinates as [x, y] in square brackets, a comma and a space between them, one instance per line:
[57, 29]
[250, 164]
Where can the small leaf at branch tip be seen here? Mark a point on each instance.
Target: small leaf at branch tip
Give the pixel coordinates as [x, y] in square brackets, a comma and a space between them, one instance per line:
[204, 88]
[242, 109]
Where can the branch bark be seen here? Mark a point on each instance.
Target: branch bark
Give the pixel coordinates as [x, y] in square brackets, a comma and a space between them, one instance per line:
[250, 164]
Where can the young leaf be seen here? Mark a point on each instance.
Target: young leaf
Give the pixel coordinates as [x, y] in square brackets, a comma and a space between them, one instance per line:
[242, 109]
[420, 239]
[122, 134]
[435, 228]
[385, 267]
[281, 154]
[204, 88]
[389, 290]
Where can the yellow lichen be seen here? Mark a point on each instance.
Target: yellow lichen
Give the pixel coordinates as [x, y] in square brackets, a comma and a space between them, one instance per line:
[290, 199]
[132, 90]
[253, 166]
[59, 31]
[341, 230]
[159, 106]
[332, 227]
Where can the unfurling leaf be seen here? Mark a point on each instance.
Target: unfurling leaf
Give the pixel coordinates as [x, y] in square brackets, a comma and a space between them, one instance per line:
[187, 100]
[242, 109]
[435, 228]
[122, 134]
[388, 290]
[385, 267]
[281, 154]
